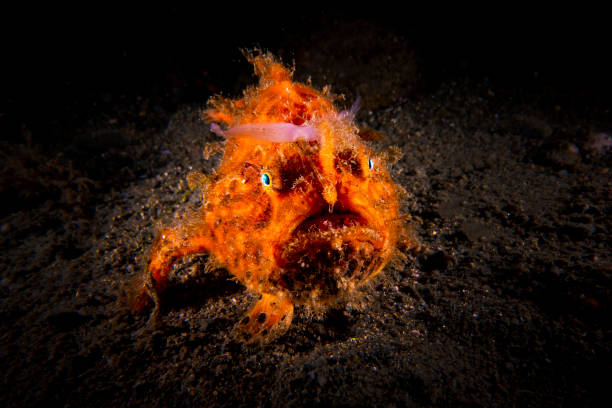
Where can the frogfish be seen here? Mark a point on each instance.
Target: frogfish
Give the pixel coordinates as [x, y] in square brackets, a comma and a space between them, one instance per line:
[301, 210]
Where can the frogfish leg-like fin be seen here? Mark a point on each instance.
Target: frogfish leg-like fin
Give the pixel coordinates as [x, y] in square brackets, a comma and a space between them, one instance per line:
[171, 245]
[269, 318]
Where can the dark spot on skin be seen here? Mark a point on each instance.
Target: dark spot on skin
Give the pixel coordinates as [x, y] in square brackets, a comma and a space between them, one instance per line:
[261, 318]
[347, 159]
[283, 318]
[245, 320]
[291, 170]
[264, 332]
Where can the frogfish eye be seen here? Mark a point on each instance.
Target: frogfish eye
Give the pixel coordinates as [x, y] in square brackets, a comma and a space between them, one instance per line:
[370, 163]
[265, 179]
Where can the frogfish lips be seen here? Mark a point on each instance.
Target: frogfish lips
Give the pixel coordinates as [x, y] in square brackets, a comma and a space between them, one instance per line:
[328, 254]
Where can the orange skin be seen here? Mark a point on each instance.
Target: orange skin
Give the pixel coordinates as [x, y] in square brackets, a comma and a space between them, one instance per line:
[297, 222]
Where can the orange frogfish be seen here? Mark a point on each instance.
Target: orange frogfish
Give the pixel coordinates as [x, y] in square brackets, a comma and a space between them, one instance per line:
[300, 209]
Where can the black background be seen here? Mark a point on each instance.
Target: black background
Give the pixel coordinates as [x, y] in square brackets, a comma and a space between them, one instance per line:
[63, 62]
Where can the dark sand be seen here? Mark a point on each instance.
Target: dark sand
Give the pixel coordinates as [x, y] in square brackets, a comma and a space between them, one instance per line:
[508, 186]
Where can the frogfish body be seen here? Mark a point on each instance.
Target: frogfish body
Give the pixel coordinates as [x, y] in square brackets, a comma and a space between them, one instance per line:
[300, 209]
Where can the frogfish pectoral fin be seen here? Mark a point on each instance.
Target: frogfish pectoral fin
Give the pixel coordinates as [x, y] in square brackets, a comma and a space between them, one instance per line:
[171, 245]
[269, 318]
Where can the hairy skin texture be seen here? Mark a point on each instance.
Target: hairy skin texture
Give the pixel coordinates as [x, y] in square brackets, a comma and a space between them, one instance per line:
[299, 221]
